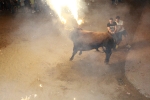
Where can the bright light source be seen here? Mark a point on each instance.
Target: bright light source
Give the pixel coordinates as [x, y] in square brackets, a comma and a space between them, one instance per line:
[72, 6]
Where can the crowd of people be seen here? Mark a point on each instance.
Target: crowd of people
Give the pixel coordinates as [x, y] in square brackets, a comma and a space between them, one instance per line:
[22, 5]
[28, 5]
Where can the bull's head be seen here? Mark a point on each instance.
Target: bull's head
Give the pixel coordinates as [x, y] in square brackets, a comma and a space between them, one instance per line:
[75, 33]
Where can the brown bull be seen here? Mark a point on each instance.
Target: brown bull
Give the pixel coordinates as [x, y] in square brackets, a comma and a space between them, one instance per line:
[86, 40]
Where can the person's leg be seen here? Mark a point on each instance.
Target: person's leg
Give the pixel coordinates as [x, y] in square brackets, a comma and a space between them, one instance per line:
[17, 6]
[119, 37]
[32, 7]
[116, 2]
[113, 1]
[124, 33]
[36, 7]
[12, 9]
[120, 0]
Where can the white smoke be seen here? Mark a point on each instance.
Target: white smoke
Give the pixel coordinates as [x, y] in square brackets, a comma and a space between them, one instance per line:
[68, 10]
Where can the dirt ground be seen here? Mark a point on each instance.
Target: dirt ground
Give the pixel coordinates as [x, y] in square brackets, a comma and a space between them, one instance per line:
[35, 52]
[137, 67]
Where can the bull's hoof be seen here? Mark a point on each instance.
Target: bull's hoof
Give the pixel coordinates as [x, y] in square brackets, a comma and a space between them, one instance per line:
[80, 53]
[71, 59]
[106, 62]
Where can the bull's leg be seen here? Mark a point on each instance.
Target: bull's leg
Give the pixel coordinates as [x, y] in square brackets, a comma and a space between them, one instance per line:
[108, 54]
[74, 52]
[80, 52]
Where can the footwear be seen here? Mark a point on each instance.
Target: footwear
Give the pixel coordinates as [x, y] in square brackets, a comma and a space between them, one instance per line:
[117, 46]
[128, 46]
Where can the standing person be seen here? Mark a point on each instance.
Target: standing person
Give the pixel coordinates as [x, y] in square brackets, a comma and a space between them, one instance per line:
[19, 3]
[111, 26]
[116, 2]
[15, 5]
[120, 31]
[27, 5]
[32, 5]
[3, 5]
[12, 6]
[22, 5]
[119, 0]
[37, 5]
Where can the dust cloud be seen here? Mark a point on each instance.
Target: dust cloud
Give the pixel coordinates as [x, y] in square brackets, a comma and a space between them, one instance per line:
[39, 51]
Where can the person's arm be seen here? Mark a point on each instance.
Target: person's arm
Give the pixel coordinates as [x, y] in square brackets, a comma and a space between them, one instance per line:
[115, 28]
[109, 30]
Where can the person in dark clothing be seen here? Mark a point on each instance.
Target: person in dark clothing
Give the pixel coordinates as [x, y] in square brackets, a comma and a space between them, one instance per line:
[0, 5]
[113, 1]
[116, 2]
[120, 0]
[27, 3]
[12, 6]
[15, 5]
[112, 26]
[37, 5]
[3, 5]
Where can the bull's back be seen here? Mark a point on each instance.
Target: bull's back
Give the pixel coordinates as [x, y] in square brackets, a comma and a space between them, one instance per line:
[92, 37]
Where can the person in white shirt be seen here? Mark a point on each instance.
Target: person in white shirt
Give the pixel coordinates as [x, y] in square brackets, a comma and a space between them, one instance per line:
[120, 31]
